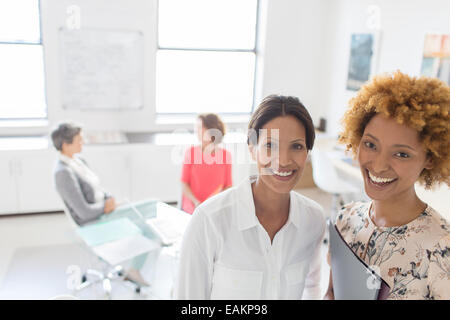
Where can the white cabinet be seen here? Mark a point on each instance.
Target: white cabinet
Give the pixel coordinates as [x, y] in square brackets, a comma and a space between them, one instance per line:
[127, 171]
[112, 165]
[156, 169]
[9, 202]
[27, 182]
[36, 189]
[155, 173]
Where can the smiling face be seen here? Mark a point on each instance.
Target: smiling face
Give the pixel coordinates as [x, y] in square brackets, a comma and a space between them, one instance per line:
[281, 153]
[391, 158]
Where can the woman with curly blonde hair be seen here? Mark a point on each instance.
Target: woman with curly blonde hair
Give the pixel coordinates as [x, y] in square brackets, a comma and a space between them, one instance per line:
[397, 126]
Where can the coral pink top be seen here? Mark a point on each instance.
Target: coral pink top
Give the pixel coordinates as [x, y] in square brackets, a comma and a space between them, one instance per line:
[205, 174]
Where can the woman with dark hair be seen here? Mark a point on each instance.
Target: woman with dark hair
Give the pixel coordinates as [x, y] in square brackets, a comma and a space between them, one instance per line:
[260, 239]
[206, 167]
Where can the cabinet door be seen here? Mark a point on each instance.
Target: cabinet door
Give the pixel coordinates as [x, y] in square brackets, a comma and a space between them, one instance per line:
[8, 187]
[111, 165]
[155, 174]
[36, 188]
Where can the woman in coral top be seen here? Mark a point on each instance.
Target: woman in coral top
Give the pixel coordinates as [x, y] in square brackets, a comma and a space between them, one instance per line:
[206, 167]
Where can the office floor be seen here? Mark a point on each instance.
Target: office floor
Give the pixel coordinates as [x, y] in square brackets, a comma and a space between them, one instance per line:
[36, 249]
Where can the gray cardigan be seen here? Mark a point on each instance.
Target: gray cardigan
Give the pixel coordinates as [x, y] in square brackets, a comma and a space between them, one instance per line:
[77, 194]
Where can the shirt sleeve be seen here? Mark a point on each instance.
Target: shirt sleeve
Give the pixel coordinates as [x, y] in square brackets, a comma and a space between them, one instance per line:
[313, 290]
[438, 272]
[187, 165]
[70, 191]
[195, 268]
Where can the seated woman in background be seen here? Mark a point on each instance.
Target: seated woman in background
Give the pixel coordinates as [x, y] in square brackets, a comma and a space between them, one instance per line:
[207, 167]
[78, 185]
[398, 128]
[260, 239]
[80, 189]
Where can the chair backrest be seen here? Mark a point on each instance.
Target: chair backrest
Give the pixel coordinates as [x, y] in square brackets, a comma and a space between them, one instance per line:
[324, 172]
[69, 216]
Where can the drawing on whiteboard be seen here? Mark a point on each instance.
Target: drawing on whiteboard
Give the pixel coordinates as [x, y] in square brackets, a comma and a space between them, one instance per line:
[101, 69]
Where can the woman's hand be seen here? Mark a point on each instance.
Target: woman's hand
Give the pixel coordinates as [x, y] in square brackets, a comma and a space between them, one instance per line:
[189, 194]
[110, 205]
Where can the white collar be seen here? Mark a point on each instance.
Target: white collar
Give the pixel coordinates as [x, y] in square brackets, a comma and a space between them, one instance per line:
[67, 160]
[81, 169]
[246, 218]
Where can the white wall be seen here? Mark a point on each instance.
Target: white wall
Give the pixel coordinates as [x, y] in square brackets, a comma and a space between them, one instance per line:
[106, 14]
[294, 58]
[303, 46]
[290, 46]
[403, 27]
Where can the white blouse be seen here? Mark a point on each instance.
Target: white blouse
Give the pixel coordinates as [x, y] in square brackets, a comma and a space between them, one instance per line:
[227, 254]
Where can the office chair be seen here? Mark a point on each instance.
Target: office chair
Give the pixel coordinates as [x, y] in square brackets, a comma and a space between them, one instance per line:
[111, 272]
[326, 178]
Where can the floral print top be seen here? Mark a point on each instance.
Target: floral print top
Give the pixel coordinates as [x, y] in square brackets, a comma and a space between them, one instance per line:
[413, 259]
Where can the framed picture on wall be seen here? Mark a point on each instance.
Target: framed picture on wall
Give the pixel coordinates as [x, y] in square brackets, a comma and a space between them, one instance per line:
[362, 64]
[436, 57]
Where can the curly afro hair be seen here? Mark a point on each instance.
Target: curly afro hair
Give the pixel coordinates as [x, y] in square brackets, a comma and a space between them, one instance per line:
[420, 103]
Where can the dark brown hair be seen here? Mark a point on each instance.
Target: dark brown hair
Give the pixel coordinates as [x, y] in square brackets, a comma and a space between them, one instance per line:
[274, 106]
[213, 121]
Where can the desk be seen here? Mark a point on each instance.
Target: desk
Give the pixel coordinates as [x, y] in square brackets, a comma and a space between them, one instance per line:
[346, 167]
[348, 170]
[165, 265]
[161, 266]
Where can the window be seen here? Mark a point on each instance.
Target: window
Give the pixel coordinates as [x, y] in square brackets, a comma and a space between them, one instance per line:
[21, 61]
[206, 56]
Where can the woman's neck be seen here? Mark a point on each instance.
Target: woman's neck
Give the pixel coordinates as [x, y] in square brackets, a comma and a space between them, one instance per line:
[208, 148]
[67, 154]
[397, 211]
[269, 203]
[271, 208]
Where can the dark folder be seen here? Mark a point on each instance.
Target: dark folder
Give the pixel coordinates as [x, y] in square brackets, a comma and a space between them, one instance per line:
[353, 279]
